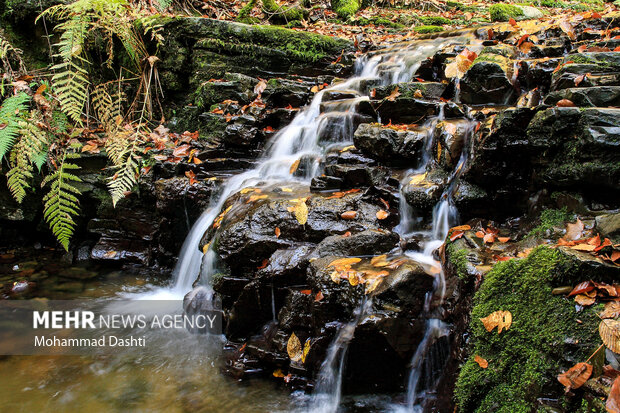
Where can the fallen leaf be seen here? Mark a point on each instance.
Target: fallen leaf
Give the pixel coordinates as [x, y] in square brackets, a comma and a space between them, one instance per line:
[488, 238]
[306, 292]
[372, 285]
[263, 265]
[580, 79]
[584, 300]
[395, 93]
[583, 247]
[582, 288]
[314, 89]
[500, 319]
[456, 235]
[277, 232]
[349, 215]
[481, 362]
[576, 376]
[294, 166]
[110, 254]
[612, 310]
[574, 231]
[609, 330]
[306, 350]
[613, 400]
[319, 296]
[293, 348]
[565, 103]
[344, 261]
[301, 212]
[381, 214]
[503, 239]
[260, 87]
[181, 151]
[278, 373]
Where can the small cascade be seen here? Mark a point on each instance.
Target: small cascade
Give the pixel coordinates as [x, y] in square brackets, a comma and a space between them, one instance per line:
[326, 397]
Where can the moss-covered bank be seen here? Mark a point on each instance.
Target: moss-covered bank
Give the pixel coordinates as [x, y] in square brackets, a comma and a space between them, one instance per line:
[547, 336]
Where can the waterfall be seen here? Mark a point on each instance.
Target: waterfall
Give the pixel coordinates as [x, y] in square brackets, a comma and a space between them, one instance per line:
[326, 397]
[302, 137]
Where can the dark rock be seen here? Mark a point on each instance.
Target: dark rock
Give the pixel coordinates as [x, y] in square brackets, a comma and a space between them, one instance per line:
[428, 90]
[609, 225]
[242, 132]
[234, 86]
[283, 92]
[602, 69]
[488, 81]
[450, 139]
[369, 242]
[600, 96]
[423, 192]
[389, 145]
[405, 110]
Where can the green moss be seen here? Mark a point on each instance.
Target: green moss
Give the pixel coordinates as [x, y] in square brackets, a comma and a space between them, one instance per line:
[458, 258]
[433, 20]
[550, 218]
[277, 13]
[428, 29]
[489, 57]
[504, 12]
[379, 21]
[345, 8]
[544, 338]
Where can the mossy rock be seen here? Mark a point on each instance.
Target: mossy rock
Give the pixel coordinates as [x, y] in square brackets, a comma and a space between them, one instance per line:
[545, 338]
[504, 12]
[428, 29]
[433, 20]
[345, 8]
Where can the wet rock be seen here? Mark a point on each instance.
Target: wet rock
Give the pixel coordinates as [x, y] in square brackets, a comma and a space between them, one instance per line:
[405, 110]
[369, 242]
[488, 81]
[449, 140]
[609, 225]
[326, 183]
[337, 126]
[470, 200]
[288, 266]
[388, 145]
[423, 192]
[241, 133]
[600, 96]
[234, 86]
[120, 249]
[427, 90]
[602, 69]
[537, 73]
[283, 92]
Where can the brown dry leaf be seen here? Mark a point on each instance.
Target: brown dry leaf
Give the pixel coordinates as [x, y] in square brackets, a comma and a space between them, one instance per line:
[264, 264]
[301, 212]
[260, 87]
[488, 238]
[456, 235]
[576, 376]
[503, 239]
[574, 231]
[319, 296]
[395, 93]
[585, 300]
[277, 232]
[565, 103]
[609, 330]
[349, 215]
[293, 348]
[372, 285]
[583, 247]
[418, 94]
[568, 29]
[613, 400]
[460, 228]
[481, 362]
[294, 166]
[278, 373]
[612, 310]
[582, 288]
[500, 319]
[381, 214]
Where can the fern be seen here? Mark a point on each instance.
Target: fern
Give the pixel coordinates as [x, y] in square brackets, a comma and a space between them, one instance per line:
[122, 150]
[10, 112]
[107, 107]
[28, 151]
[60, 204]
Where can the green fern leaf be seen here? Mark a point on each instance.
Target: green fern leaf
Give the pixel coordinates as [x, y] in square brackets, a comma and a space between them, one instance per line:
[60, 204]
[10, 112]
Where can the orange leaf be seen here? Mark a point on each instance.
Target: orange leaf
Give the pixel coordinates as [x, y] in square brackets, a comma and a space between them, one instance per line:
[500, 319]
[613, 400]
[480, 234]
[513, 22]
[481, 362]
[582, 288]
[294, 167]
[264, 264]
[381, 214]
[489, 238]
[319, 296]
[565, 103]
[314, 89]
[456, 235]
[576, 376]
[277, 232]
[503, 239]
[306, 292]
[573, 231]
[395, 93]
[346, 234]
[349, 215]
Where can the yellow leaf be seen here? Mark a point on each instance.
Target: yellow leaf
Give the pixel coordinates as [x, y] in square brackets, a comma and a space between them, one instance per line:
[372, 285]
[306, 350]
[278, 373]
[285, 189]
[379, 261]
[344, 261]
[294, 166]
[247, 190]
[301, 212]
[438, 151]
[500, 319]
[256, 198]
[206, 248]
[609, 331]
[335, 276]
[293, 348]
[417, 179]
[347, 148]
[353, 278]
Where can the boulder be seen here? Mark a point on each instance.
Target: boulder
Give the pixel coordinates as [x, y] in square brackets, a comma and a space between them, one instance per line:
[389, 145]
[599, 96]
[488, 80]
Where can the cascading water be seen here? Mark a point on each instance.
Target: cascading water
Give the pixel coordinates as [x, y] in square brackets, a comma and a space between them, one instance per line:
[304, 137]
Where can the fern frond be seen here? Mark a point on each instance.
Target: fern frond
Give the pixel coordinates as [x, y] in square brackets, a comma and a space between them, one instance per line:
[61, 204]
[107, 107]
[10, 112]
[123, 152]
[21, 170]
